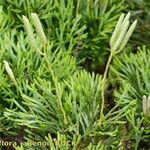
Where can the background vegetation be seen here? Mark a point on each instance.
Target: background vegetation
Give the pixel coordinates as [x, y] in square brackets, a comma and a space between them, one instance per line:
[57, 97]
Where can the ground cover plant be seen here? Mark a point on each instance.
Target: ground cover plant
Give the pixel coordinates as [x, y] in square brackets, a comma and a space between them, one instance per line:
[74, 75]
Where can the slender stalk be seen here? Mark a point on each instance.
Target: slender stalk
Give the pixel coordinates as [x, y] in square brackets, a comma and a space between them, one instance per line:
[103, 87]
[78, 7]
[55, 84]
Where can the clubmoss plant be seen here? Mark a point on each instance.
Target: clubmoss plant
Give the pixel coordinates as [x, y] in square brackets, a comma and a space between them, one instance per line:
[46, 92]
[39, 30]
[118, 41]
[39, 108]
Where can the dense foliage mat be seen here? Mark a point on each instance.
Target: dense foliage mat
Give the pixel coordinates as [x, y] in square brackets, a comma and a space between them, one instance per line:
[69, 79]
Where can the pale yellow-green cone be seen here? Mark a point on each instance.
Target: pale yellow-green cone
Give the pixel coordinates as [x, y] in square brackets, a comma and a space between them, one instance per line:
[38, 26]
[127, 36]
[121, 33]
[10, 72]
[29, 32]
[121, 36]
[146, 104]
[116, 31]
[126, 18]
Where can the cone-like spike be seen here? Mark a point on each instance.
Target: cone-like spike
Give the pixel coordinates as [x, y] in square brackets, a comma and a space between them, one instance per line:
[116, 31]
[38, 26]
[29, 32]
[126, 18]
[144, 104]
[128, 34]
[121, 33]
[121, 36]
[148, 104]
[10, 72]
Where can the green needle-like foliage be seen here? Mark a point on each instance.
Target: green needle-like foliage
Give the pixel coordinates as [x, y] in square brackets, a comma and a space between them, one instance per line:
[66, 81]
[50, 95]
[134, 69]
[141, 11]
[80, 26]
[133, 73]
